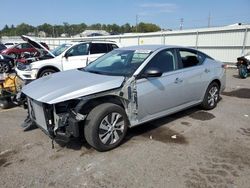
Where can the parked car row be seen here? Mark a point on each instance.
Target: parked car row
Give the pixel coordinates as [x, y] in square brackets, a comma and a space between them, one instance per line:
[16, 50]
[52, 61]
[66, 56]
[12, 52]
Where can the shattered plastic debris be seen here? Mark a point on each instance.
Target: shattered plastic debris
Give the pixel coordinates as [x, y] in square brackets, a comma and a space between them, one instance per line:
[174, 136]
[78, 169]
[6, 152]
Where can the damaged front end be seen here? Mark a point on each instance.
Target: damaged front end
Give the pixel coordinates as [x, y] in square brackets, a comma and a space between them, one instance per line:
[64, 120]
[59, 121]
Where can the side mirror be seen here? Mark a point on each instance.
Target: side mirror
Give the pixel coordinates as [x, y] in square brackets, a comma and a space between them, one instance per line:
[66, 55]
[152, 72]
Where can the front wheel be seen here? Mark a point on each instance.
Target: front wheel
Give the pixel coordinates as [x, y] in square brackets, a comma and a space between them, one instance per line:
[106, 126]
[46, 72]
[211, 97]
[243, 73]
[4, 103]
[4, 67]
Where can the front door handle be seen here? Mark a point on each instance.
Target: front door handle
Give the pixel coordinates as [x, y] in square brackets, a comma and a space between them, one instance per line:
[178, 80]
[207, 70]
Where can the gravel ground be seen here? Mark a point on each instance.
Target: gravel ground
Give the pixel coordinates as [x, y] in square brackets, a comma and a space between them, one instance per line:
[192, 149]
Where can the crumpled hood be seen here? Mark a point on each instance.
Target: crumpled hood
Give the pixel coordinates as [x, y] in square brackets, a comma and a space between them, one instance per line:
[70, 84]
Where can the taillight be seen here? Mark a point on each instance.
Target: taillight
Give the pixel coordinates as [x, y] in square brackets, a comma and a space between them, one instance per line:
[224, 66]
[240, 61]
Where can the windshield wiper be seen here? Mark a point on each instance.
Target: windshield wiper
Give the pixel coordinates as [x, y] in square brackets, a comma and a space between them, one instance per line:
[95, 72]
[81, 69]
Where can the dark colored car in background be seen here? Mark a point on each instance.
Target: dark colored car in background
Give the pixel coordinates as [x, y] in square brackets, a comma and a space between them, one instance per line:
[20, 48]
[2, 47]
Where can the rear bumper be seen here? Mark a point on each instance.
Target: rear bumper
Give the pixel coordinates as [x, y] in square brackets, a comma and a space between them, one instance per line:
[223, 82]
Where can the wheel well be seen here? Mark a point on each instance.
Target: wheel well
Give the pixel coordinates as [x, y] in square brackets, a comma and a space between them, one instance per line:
[86, 108]
[216, 81]
[47, 67]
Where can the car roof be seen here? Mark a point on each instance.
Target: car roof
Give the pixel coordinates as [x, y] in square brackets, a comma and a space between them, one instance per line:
[148, 47]
[94, 41]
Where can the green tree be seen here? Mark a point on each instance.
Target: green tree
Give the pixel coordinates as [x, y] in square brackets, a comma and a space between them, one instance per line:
[147, 27]
[47, 28]
[73, 29]
[24, 29]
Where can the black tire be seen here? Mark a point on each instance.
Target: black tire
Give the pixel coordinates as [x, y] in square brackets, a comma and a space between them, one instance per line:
[4, 67]
[97, 123]
[13, 55]
[46, 72]
[243, 73]
[4, 104]
[12, 63]
[211, 97]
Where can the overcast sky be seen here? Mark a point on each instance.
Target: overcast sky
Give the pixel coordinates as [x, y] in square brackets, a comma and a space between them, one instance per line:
[166, 14]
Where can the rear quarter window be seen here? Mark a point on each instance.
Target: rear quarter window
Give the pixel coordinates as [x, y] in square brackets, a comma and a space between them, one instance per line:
[190, 58]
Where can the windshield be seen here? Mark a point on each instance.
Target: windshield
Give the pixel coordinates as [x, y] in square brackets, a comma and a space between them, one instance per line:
[60, 49]
[118, 62]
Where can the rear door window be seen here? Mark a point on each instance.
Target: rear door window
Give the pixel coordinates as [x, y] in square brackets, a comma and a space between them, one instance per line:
[98, 48]
[77, 50]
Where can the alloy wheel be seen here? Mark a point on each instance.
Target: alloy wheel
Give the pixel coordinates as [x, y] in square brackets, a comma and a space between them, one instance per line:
[46, 74]
[4, 68]
[213, 96]
[111, 128]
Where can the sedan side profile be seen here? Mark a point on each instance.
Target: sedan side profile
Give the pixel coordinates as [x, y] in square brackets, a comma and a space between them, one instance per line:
[122, 89]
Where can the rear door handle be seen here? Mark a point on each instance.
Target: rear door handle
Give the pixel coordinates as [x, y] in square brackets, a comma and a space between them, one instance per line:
[178, 80]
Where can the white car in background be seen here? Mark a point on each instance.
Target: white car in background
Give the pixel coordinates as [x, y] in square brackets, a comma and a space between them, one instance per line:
[10, 44]
[78, 55]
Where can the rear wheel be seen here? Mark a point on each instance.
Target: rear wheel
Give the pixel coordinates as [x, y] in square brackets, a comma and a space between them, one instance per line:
[46, 72]
[211, 97]
[243, 73]
[106, 126]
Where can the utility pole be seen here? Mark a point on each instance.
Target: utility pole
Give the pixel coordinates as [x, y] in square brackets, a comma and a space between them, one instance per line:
[181, 24]
[136, 23]
[53, 31]
[209, 20]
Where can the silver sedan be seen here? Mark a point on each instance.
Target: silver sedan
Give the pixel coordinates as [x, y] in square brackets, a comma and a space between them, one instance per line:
[122, 89]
